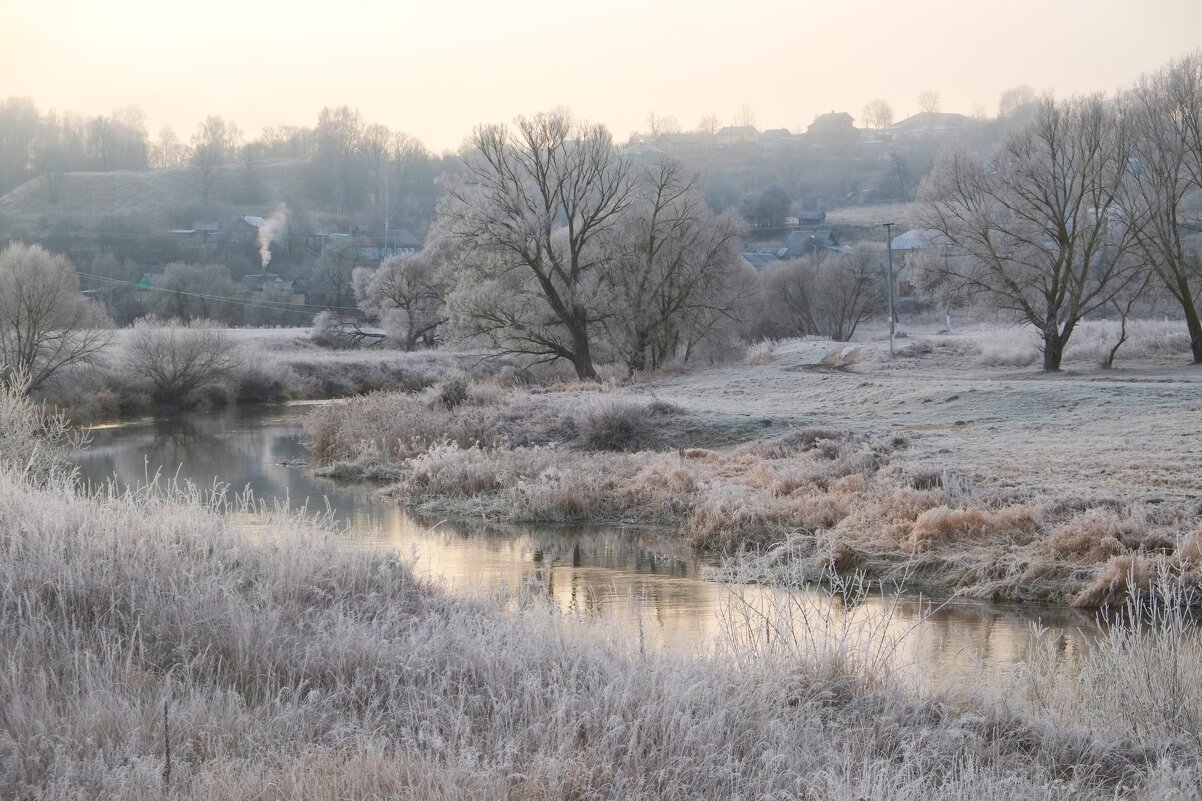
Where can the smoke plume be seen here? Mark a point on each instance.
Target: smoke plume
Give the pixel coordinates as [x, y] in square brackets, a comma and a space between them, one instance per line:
[272, 230]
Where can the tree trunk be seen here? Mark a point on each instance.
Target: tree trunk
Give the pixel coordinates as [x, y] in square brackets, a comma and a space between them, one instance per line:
[582, 358]
[1053, 349]
[1194, 324]
[636, 360]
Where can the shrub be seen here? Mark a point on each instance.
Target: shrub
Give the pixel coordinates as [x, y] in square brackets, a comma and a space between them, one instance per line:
[181, 359]
[34, 443]
[614, 425]
[451, 392]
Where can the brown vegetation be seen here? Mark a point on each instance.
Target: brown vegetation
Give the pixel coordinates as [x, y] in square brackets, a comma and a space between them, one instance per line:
[834, 497]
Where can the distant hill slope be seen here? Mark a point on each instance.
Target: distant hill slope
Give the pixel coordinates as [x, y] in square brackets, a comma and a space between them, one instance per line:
[157, 199]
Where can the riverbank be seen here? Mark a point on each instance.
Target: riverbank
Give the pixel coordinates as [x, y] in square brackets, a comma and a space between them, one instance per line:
[267, 365]
[152, 648]
[938, 472]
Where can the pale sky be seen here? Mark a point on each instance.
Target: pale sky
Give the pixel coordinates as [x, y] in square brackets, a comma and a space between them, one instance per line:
[435, 69]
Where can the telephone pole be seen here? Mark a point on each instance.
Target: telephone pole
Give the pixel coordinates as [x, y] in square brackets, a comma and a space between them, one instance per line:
[889, 245]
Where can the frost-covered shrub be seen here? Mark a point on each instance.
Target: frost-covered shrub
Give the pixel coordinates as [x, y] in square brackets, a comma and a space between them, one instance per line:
[182, 361]
[33, 442]
[613, 425]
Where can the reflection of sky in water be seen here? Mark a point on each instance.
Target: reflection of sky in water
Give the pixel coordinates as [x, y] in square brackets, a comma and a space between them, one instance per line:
[650, 589]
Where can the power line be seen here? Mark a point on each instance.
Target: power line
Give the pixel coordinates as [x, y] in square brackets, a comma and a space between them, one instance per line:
[257, 304]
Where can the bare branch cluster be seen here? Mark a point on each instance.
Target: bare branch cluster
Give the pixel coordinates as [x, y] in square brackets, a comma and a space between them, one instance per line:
[180, 359]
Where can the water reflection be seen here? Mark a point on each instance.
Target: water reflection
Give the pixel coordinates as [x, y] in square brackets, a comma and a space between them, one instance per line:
[651, 588]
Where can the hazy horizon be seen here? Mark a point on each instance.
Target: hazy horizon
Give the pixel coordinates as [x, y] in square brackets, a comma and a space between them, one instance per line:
[436, 72]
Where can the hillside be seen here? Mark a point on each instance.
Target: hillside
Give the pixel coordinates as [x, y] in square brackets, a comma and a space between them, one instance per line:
[157, 199]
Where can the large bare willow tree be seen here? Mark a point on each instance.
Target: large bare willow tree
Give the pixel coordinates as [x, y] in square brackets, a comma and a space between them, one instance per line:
[530, 219]
[46, 325]
[1164, 185]
[1041, 222]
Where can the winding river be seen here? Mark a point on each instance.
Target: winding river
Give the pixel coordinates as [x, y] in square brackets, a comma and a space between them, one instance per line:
[640, 585]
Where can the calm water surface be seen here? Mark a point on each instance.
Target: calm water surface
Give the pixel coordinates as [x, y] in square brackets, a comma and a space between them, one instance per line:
[645, 587]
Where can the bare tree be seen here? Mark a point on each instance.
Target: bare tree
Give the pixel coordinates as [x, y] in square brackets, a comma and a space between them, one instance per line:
[675, 269]
[931, 274]
[828, 298]
[180, 359]
[46, 325]
[746, 115]
[659, 124]
[928, 101]
[789, 298]
[1164, 184]
[339, 139]
[215, 143]
[409, 294]
[1040, 222]
[878, 114]
[850, 289]
[540, 198]
[709, 125]
[1016, 101]
[336, 267]
[188, 291]
[168, 151]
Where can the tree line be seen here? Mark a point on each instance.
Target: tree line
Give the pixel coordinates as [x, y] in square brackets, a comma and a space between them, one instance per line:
[355, 166]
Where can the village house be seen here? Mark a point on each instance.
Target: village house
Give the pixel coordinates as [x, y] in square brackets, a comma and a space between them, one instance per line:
[737, 135]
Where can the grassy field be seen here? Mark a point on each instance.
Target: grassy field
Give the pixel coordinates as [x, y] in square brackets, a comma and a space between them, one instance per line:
[153, 650]
[939, 468]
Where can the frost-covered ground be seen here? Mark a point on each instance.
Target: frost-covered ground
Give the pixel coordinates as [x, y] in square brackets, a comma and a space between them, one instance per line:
[1131, 433]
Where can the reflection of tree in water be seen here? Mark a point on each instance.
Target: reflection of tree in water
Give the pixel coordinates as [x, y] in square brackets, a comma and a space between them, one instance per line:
[609, 547]
[594, 569]
[231, 449]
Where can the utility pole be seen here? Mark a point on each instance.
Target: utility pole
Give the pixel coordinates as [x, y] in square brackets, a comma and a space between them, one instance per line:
[889, 244]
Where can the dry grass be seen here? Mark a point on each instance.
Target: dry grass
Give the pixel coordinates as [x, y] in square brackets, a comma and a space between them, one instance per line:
[284, 665]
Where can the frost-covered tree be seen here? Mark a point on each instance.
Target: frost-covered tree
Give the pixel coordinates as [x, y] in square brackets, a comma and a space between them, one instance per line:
[929, 102]
[675, 272]
[1164, 184]
[188, 291]
[1040, 222]
[167, 151]
[180, 358]
[530, 222]
[408, 293]
[1016, 102]
[46, 324]
[829, 297]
